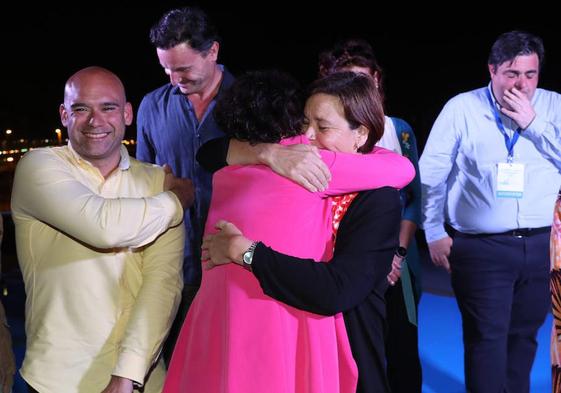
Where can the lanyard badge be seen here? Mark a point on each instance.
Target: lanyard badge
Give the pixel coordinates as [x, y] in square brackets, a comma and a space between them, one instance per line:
[510, 175]
[510, 180]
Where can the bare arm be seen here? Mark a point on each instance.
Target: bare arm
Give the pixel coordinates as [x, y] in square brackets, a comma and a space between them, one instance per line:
[301, 163]
[406, 233]
[225, 246]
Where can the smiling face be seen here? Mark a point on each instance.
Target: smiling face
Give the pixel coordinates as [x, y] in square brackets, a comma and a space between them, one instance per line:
[192, 71]
[327, 127]
[521, 74]
[95, 113]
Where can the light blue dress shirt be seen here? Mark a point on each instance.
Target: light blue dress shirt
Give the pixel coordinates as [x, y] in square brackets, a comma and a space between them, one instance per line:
[460, 160]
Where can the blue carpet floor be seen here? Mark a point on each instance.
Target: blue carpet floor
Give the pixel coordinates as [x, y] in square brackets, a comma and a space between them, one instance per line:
[440, 346]
[441, 349]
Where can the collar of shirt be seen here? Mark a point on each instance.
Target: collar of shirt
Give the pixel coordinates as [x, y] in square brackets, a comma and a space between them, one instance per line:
[497, 103]
[177, 91]
[124, 163]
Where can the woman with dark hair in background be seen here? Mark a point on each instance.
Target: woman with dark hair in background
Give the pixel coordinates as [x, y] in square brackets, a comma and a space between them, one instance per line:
[403, 296]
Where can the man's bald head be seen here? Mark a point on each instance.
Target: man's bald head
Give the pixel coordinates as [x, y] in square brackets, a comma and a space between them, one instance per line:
[85, 77]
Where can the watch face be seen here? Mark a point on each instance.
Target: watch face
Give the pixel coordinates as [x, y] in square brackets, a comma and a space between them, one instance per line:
[401, 251]
[247, 257]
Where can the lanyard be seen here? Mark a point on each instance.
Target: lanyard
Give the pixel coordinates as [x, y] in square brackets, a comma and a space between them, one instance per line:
[509, 142]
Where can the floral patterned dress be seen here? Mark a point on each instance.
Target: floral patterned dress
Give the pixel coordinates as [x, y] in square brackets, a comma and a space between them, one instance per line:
[555, 284]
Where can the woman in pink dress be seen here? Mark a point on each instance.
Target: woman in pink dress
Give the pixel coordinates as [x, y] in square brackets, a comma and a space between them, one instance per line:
[236, 339]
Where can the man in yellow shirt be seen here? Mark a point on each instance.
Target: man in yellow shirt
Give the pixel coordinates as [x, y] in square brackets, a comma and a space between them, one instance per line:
[100, 247]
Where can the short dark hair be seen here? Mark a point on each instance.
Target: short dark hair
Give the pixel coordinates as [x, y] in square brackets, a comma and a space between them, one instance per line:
[515, 43]
[361, 102]
[348, 53]
[352, 52]
[190, 25]
[261, 107]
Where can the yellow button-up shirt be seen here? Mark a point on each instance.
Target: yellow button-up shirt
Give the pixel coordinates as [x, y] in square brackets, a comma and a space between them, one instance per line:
[102, 271]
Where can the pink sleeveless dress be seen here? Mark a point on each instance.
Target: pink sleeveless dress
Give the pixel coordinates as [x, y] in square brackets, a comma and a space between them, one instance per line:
[235, 339]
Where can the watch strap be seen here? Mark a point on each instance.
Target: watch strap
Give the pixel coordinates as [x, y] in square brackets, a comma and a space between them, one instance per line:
[401, 252]
[247, 256]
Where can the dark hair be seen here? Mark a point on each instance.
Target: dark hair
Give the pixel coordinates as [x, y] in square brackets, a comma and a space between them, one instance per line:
[515, 43]
[351, 52]
[261, 107]
[189, 25]
[361, 102]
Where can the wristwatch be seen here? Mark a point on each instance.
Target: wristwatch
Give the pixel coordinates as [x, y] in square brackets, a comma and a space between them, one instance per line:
[247, 256]
[401, 252]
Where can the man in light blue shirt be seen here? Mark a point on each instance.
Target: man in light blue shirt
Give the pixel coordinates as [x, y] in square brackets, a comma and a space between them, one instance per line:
[491, 171]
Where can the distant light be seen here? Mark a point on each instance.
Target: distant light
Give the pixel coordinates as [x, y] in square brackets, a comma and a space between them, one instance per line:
[8, 132]
[24, 150]
[10, 159]
[58, 131]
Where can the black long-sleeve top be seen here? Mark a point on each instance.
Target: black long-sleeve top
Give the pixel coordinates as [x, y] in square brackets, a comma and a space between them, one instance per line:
[353, 282]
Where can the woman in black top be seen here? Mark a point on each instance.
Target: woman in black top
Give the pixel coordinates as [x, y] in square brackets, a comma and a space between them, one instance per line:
[354, 281]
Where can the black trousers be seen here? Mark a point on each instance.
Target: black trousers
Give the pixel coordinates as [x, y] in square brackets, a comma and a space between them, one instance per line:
[501, 283]
[402, 343]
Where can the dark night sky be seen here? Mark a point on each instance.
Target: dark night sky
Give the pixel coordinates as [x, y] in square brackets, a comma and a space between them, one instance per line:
[426, 60]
